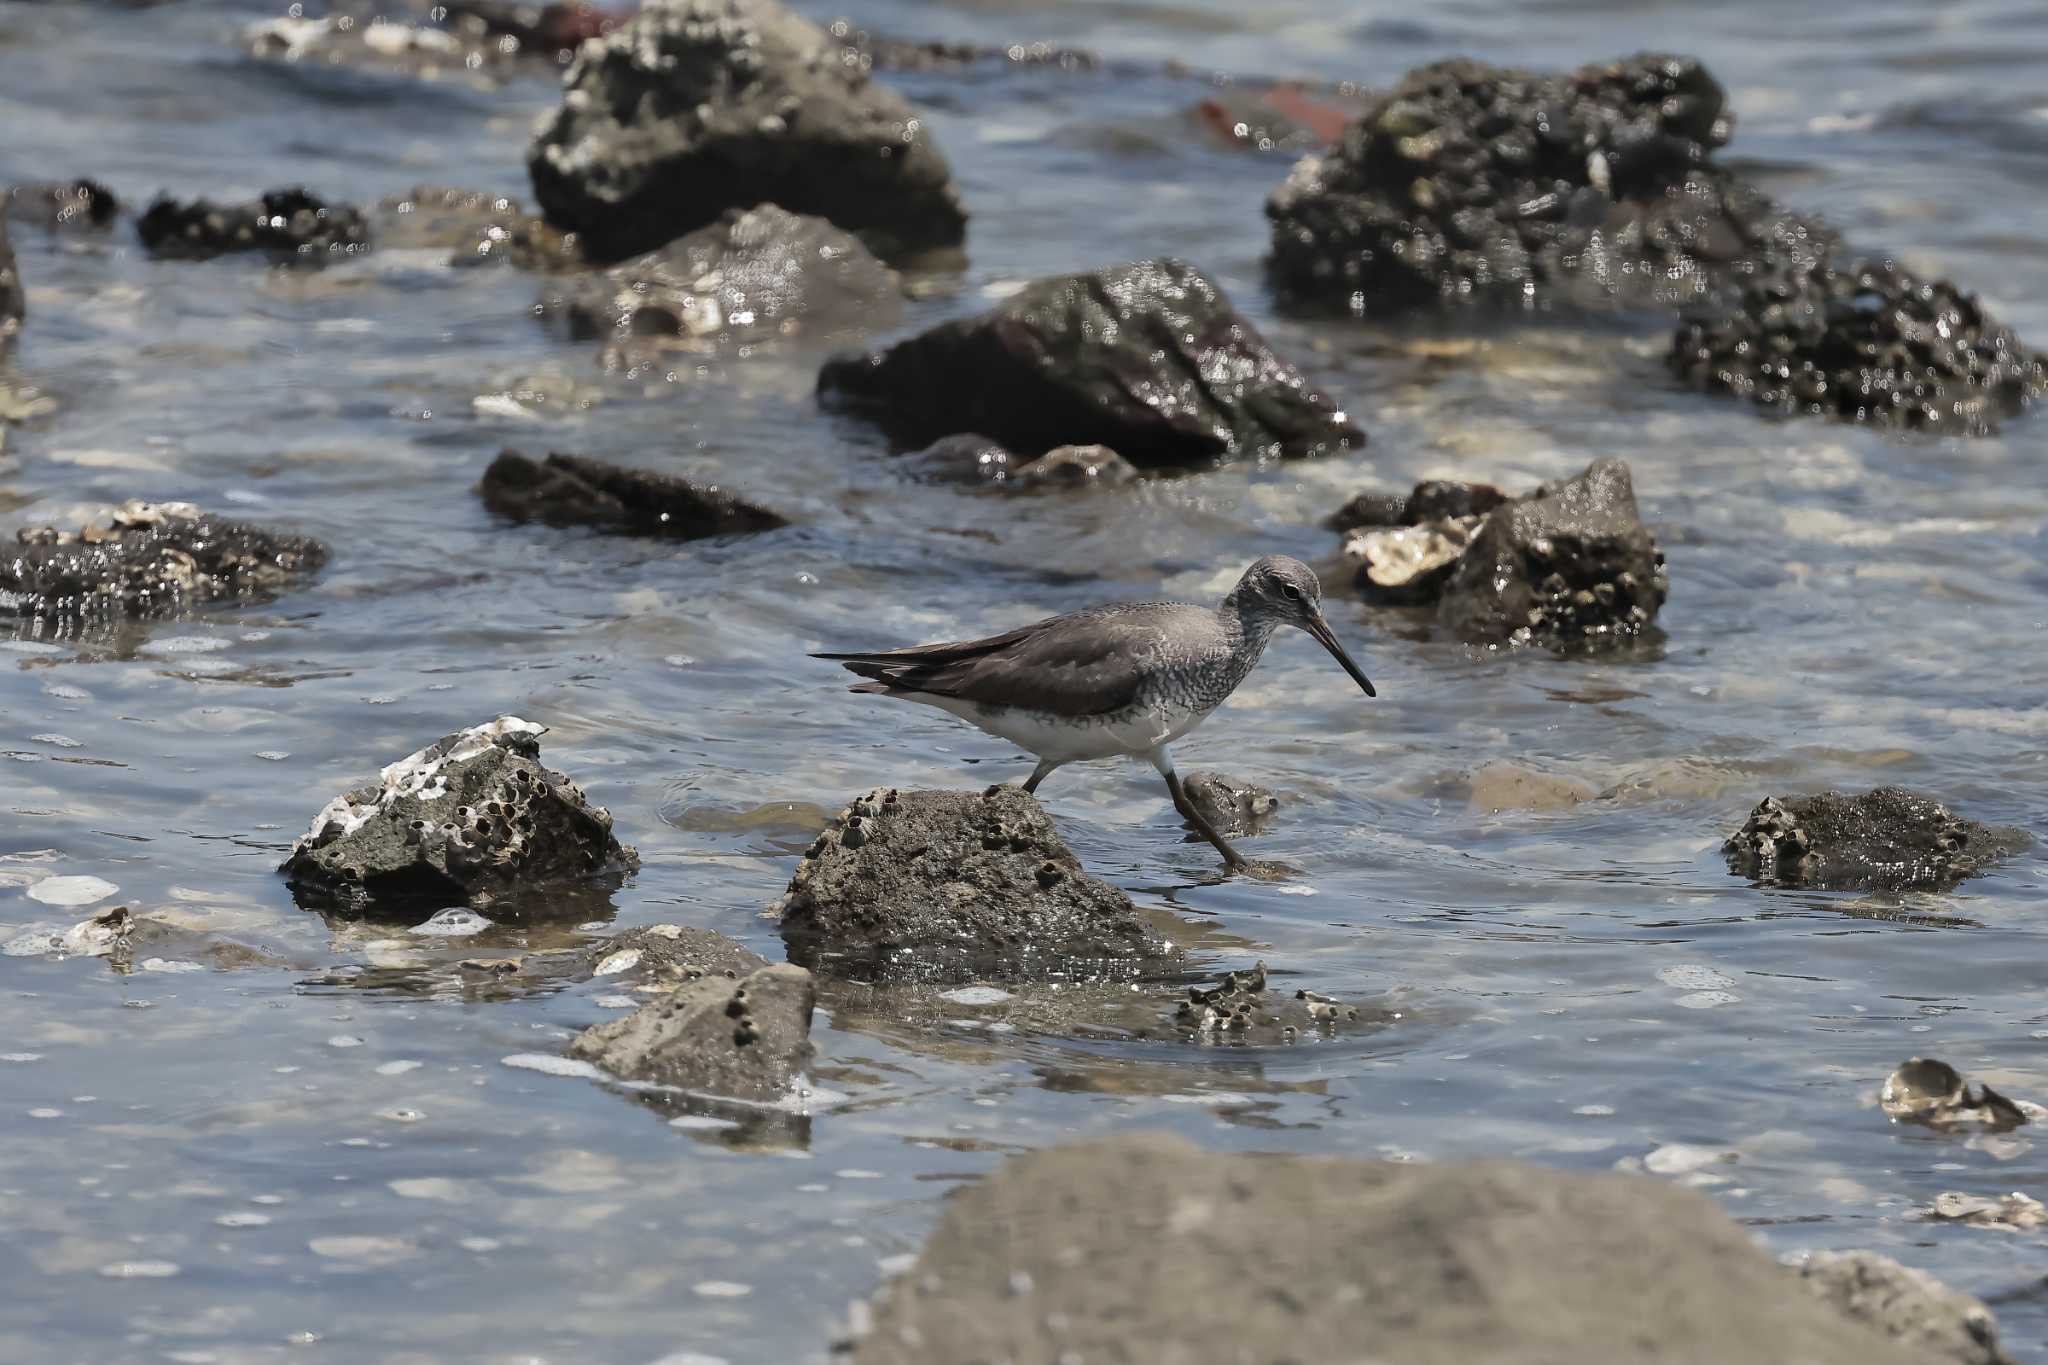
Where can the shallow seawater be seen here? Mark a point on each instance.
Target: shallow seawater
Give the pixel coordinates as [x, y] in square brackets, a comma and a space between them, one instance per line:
[322, 1139]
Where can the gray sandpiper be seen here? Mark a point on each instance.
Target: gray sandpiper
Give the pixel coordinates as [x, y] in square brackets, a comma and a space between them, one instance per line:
[1115, 681]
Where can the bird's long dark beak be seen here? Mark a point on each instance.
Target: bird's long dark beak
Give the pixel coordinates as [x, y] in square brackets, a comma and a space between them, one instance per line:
[1328, 640]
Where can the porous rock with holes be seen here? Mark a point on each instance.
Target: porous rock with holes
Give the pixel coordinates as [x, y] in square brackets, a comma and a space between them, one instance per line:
[1887, 839]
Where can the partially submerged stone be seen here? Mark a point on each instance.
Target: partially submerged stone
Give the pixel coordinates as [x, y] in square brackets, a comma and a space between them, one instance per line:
[1499, 787]
[13, 299]
[1474, 183]
[756, 274]
[746, 1039]
[698, 106]
[291, 225]
[575, 490]
[475, 228]
[1089, 466]
[148, 559]
[1888, 839]
[1570, 565]
[472, 818]
[61, 206]
[1143, 1247]
[1922, 1316]
[936, 885]
[1237, 809]
[1431, 500]
[2014, 1212]
[1148, 358]
[1930, 1091]
[1865, 341]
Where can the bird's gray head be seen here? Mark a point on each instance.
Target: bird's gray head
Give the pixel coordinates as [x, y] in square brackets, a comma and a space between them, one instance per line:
[1280, 591]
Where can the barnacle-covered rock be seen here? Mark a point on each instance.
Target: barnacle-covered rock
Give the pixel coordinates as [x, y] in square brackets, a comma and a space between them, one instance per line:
[61, 206]
[292, 225]
[935, 885]
[699, 106]
[1569, 565]
[575, 490]
[755, 275]
[471, 818]
[1148, 358]
[148, 559]
[744, 1039]
[1888, 839]
[1865, 341]
[1474, 183]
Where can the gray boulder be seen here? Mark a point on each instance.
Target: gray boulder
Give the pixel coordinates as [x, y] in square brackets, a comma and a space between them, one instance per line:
[1469, 183]
[934, 885]
[699, 106]
[148, 559]
[473, 818]
[1571, 564]
[1148, 358]
[745, 1039]
[1863, 341]
[1921, 1314]
[13, 299]
[1888, 839]
[755, 275]
[575, 490]
[1143, 1248]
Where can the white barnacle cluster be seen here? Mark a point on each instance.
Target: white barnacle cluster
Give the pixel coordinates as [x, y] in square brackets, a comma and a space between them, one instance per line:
[422, 774]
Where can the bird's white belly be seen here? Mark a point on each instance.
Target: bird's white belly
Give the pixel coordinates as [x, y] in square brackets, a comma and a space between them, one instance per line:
[1068, 741]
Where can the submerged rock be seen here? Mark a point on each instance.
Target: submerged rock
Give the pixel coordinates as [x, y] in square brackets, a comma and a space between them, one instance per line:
[475, 228]
[966, 457]
[745, 1039]
[934, 885]
[62, 206]
[292, 225]
[471, 818]
[1074, 467]
[1498, 788]
[1570, 564]
[1148, 358]
[1431, 500]
[1889, 839]
[13, 299]
[1143, 1247]
[699, 106]
[148, 559]
[1921, 1315]
[575, 490]
[755, 275]
[1474, 183]
[1866, 341]
[1235, 808]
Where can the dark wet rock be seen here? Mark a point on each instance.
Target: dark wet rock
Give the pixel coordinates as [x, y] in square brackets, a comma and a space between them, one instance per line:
[745, 1039]
[1474, 183]
[291, 225]
[936, 885]
[1431, 500]
[475, 228]
[13, 299]
[1571, 564]
[1930, 1091]
[1235, 808]
[1092, 466]
[755, 275]
[1920, 1314]
[575, 490]
[698, 106]
[72, 205]
[1149, 359]
[1245, 1256]
[1406, 566]
[1865, 341]
[1889, 839]
[863, 51]
[471, 818]
[148, 559]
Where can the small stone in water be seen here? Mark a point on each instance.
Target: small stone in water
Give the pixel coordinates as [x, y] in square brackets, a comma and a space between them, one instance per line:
[21, 1056]
[398, 1068]
[722, 1289]
[1693, 977]
[370, 1250]
[1706, 1000]
[46, 1113]
[344, 1040]
[243, 1219]
[1594, 1110]
[71, 891]
[1683, 1158]
[161, 964]
[272, 755]
[57, 741]
[625, 960]
[437, 1188]
[139, 1270]
[453, 923]
[480, 1244]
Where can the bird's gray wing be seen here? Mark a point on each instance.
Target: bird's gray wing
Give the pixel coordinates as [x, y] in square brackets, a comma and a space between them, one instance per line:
[1087, 663]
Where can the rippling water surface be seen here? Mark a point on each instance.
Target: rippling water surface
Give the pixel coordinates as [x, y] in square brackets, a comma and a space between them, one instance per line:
[318, 1135]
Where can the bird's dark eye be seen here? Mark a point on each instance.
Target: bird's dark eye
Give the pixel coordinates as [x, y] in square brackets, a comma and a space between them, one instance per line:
[1293, 593]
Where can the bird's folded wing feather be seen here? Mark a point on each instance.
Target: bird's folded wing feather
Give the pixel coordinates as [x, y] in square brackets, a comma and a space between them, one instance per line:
[1085, 664]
